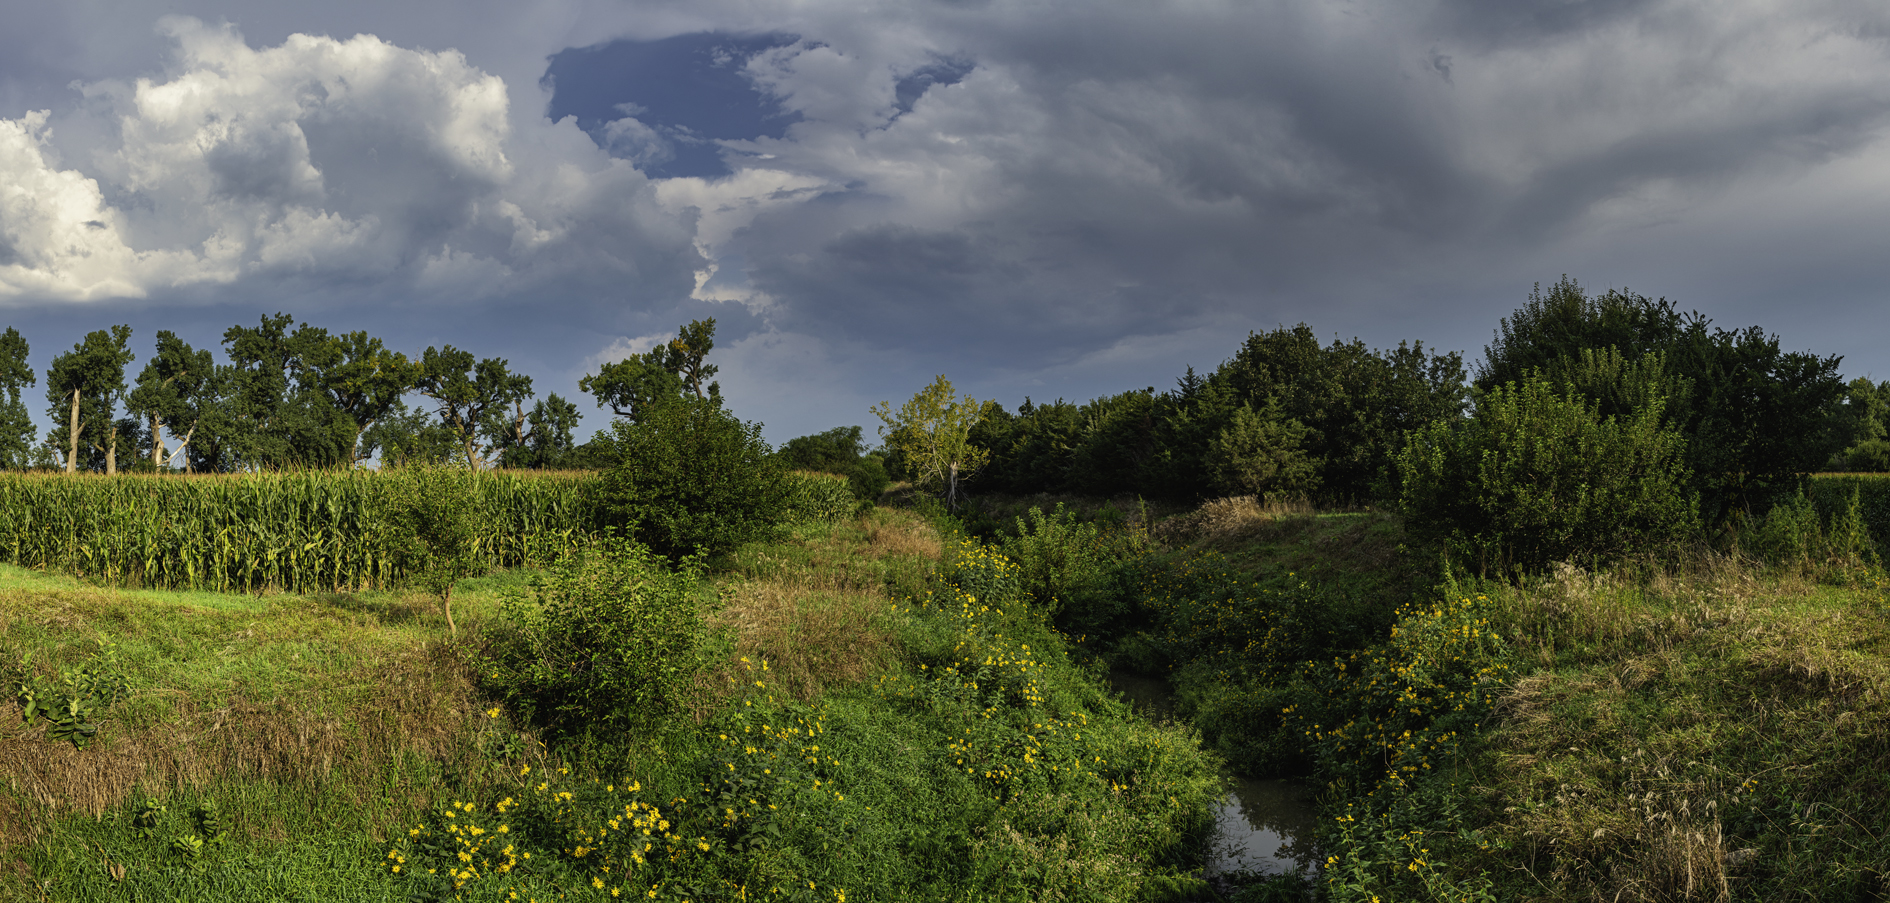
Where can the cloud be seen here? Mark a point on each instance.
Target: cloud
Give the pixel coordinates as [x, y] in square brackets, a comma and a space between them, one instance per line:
[353, 160]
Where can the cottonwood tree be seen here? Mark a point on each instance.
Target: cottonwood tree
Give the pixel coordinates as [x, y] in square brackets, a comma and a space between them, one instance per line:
[16, 425]
[279, 415]
[538, 438]
[84, 386]
[359, 379]
[630, 387]
[932, 433]
[172, 391]
[468, 394]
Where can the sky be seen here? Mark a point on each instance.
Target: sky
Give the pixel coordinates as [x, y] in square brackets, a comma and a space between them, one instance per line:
[1043, 198]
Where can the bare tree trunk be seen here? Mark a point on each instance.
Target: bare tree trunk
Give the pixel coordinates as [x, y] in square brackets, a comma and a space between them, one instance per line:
[157, 444]
[72, 433]
[111, 451]
[951, 488]
[186, 444]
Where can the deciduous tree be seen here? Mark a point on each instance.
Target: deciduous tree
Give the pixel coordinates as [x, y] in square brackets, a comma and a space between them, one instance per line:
[632, 386]
[932, 432]
[468, 394]
[16, 425]
[84, 386]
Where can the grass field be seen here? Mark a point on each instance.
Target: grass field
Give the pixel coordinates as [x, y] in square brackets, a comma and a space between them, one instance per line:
[850, 740]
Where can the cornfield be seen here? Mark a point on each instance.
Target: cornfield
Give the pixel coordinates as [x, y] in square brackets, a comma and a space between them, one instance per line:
[296, 532]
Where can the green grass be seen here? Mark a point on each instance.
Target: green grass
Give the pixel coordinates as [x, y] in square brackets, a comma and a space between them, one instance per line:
[325, 728]
[1693, 728]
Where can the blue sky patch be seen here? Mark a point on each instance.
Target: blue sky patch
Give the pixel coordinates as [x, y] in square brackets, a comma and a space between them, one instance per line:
[686, 93]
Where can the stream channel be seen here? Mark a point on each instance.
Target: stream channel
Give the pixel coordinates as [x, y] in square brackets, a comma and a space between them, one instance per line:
[1261, 826]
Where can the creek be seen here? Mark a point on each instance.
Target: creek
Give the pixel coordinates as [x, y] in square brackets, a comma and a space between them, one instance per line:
[1261, 826]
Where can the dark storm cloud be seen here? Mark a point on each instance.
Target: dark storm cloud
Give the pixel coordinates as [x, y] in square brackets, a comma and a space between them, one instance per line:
[1061, 198]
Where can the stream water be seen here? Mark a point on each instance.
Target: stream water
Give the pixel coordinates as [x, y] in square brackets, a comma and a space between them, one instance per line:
[1261, 826]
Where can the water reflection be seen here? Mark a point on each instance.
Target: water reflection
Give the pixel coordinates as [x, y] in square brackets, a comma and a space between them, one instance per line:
[1264, 827]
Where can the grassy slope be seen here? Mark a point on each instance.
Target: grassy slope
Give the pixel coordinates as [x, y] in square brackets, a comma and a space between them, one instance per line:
[1716, 731]
[323, 727]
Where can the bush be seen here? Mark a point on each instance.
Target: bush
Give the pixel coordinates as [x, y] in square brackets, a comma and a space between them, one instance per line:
[612, 643]
[1070, 570]
[434, 512]
[692, 478]
[1536, 477]
[1262, 453]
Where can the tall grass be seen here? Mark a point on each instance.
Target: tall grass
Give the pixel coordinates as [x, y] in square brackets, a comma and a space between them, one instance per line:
[296, 532]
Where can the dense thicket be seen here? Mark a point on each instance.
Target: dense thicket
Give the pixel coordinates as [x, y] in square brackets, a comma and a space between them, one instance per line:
[1755, 418]
[1538, 475]
[1285, 416]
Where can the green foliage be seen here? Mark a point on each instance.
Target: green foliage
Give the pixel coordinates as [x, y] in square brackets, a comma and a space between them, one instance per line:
[16, 425]
[536, 439]
[72, 704]
[841, 451]
[692, 478]
[1074, 571]
[1262, 453]
[1754, 418]
[822, 497]
[1352, 406]
[469, 394]
[1357, 403]
[1794, 536]
[638, 384]
[172, 391]
[434, 515]
[411, 436]
[1552, 329]
[1536, 477]
[1865, 422]
[1030, 450]
[83, 387]
[1833, 495]
[931, 433]
[610, 640]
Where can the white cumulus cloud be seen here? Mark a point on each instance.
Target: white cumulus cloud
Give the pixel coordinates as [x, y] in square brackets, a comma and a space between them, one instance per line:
[349, 159]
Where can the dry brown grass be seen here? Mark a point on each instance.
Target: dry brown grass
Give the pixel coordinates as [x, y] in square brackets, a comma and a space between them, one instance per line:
[423, 707]
[1223, 521]
[899, 534]
[812, 637]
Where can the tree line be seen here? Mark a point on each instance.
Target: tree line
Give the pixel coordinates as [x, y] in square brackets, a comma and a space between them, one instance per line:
[1592, 421]
[289, 395]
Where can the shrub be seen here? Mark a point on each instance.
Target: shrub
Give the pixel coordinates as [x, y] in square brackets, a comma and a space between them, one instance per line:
[612, 644]
[434, 512]
[1071, 570]
[1536, 477]
[692, 478]
[1262, 453]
